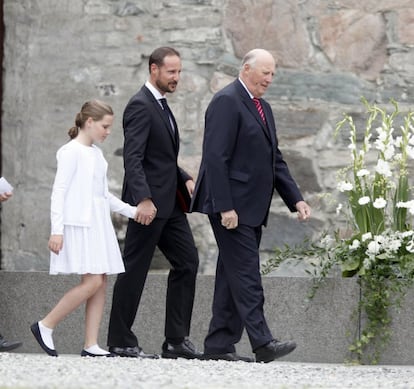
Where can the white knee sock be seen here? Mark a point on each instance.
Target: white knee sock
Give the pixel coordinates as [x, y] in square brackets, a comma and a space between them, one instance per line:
[46, 334]
[95, 349]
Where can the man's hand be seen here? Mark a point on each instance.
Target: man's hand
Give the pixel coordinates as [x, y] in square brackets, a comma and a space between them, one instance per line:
[304, 211]
[229, 219]
[146, 212]
[5, 196]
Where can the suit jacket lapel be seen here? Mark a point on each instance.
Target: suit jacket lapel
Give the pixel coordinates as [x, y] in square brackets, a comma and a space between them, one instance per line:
[270, 131]
[174, 136]
[252, 108]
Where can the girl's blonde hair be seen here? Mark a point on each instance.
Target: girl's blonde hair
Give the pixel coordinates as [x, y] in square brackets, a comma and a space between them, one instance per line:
[94, 109]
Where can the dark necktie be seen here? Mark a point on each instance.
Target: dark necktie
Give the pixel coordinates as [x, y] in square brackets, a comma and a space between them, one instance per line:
[259, 108]
[168, 113]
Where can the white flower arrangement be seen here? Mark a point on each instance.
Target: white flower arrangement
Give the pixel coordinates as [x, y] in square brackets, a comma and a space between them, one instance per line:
[379, 244]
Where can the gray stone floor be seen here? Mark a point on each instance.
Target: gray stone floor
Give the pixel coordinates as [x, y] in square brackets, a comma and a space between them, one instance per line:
[35, 371]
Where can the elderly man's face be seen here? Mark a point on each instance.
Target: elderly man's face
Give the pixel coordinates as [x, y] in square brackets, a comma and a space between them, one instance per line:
[259, 76]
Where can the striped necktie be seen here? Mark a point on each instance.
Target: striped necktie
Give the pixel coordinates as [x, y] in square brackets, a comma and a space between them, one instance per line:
[259, 108]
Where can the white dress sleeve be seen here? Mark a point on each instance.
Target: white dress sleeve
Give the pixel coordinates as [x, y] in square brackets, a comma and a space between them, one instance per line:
[66, 167]
[119, 206]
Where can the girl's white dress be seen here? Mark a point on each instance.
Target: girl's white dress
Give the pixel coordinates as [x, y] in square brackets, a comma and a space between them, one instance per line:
[91, 248]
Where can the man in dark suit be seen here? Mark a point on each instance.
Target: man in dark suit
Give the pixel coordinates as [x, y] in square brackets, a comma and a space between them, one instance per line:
[240, 168]
[161, 190]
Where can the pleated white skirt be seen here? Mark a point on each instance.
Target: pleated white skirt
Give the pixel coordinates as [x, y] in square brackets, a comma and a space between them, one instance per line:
[93, 250]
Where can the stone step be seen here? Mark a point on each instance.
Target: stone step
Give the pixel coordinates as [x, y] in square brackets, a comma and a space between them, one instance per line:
[319, 326]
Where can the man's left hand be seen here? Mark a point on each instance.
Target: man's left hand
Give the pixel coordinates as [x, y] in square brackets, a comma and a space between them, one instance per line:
[304, 211]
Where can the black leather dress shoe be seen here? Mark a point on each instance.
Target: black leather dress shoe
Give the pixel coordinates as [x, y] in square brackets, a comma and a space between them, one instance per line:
[183, 350]
[131, 352]
[6, 345]
[231, 357]
[273, 350]
[85, 353]
[36, 333]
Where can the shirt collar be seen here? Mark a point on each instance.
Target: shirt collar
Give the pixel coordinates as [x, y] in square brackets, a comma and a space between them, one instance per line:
[154, 91]
[245, 87]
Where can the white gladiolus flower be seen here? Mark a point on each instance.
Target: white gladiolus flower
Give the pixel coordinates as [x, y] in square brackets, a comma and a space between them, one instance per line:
[398, 141]
[381, 133]
[389, 152]
[398, 157]
[383, 168]
[373, 247]
[339, 208]
[379, 145]
[394, 245]
[362, 173]
[367, 145]
[410, 247]
[380, 203]
[345, 186]
[410, 151]
[366, 236]
[367, 263]
[355, 244]
[406, 204]
[363, 200]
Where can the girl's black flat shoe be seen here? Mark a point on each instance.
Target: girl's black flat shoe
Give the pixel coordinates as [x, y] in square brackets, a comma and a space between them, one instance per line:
[38, 336]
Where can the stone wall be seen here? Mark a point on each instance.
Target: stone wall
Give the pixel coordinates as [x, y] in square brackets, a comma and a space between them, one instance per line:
[59, 54]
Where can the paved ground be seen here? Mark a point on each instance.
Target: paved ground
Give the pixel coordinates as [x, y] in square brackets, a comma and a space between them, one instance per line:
[35, 371]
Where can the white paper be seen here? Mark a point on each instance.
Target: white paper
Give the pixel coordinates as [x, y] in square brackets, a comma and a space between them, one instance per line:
[5, 186]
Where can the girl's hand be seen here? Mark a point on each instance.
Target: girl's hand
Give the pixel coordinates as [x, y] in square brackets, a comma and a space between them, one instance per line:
[55, 243]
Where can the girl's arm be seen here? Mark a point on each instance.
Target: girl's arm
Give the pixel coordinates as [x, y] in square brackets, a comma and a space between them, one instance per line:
[119, 206]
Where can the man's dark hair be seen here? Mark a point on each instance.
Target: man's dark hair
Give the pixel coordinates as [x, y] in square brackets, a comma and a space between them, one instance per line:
[158, 55]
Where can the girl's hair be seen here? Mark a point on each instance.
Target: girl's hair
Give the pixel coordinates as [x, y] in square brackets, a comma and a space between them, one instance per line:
[94, 109]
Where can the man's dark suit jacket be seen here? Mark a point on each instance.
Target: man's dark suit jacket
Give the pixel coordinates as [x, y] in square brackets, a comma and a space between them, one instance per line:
[150, 155]
[241, 164]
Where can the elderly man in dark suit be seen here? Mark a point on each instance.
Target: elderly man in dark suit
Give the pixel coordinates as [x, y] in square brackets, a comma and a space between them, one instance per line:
[240, 168]
[161, 191]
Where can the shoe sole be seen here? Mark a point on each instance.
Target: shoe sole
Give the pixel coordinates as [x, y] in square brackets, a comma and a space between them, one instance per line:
[147, 356]
[10, 347]
[175, 356]
[124, 355]
[280, 355]
[84, 353]
[212, 357]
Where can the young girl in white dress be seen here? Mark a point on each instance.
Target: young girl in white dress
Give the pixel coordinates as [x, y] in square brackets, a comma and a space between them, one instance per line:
[83, 239]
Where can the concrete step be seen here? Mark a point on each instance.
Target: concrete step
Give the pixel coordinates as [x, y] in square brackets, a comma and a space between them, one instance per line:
[319, 326]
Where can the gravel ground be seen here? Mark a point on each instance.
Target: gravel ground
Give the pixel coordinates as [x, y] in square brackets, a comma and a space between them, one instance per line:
[24, 371]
